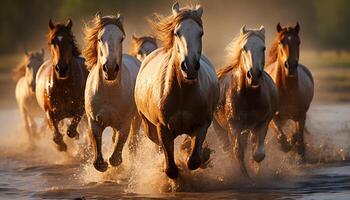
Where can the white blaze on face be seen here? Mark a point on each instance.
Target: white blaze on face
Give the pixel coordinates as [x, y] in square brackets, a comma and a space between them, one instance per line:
[60, 38]
[110, 46]
[254, 52]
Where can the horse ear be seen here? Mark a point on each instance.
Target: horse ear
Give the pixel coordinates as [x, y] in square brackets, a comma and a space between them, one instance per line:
[279, 27]
[120, 17]
[134, 37]
[176, 8]
[297, 27]
[42, 52]
[69, 24]
[51, 25]
[243, 30]
[26, 53]
[262, 29]
[199, 10]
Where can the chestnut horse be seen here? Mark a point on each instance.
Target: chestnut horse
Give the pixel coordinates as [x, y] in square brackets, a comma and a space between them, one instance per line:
[295, 86]
[142, 46]
[61, 82]
[109, 94]
[177, 89]
[25, 91]
[248, 96]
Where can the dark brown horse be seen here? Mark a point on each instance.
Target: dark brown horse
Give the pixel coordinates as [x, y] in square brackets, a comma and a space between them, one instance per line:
[248, 97]
[295, 85]
[61, 82]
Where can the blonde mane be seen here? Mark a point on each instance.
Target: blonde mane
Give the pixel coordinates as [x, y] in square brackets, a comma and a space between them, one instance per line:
[164, 26]
[20, 70]
[234, 50]
[136, 44]
[91, 37]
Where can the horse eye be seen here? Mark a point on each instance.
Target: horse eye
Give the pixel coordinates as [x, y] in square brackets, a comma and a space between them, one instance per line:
[264, 48]
[244, 48]
[99, 40]
[201, 33]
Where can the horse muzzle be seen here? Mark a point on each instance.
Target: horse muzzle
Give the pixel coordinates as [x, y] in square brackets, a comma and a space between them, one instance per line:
[190, 72]
[253, 78]
[110, 74]
[62, 71]
[292, 68]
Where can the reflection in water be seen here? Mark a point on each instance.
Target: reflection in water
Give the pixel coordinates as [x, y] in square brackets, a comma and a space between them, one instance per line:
[43, 172]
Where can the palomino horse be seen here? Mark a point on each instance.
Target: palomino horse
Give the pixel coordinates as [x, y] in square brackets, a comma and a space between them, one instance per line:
[109, 94]
[61, 82]
[248, 96]
[25, 91]
[295, 85]
[142, 46]
[177, 89]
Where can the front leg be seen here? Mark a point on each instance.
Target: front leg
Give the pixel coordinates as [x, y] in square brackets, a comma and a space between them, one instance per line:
[57, 138]
[298, 137]
[133, 135]
[240, 138]
[95, 132]
[166, 141]
[259, 134]
[72, 129]
[116, 157]
[195, 158]
[281, 136]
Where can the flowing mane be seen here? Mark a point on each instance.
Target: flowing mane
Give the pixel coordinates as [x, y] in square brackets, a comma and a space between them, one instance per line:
[61, 28]
[164, 26]
[91, 37]
[20, 70]
[137, 43]
[234, 50]
[273, 53]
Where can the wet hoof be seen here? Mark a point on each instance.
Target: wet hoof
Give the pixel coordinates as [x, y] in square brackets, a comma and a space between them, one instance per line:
[172, 172]
[194, 162]
[285, 145]
[100, 165]
[115, 160]
[62, 147]
[258, 157]
[72, 133]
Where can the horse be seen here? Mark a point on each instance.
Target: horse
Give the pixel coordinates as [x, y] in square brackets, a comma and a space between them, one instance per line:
[248, 97]
[25, 91]
[60, 82]
[109, 94]
[142, 46]
[177, 89]
[295, 86]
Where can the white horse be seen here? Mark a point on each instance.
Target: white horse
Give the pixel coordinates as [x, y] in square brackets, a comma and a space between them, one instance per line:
[25, 91]
[142, 46]
[177, 88]
[109, 93]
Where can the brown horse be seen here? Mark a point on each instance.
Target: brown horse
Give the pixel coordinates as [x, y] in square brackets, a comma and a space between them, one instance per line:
[142, 46]
[248, 96]
[295, 85]
[177, 90]
[61, 82]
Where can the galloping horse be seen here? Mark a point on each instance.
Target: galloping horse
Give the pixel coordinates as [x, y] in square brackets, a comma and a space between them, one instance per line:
[177, 89]
[61, 82]
[109, 94]
[248, 96]
[142, 46]
[295, 85]
[25, 91]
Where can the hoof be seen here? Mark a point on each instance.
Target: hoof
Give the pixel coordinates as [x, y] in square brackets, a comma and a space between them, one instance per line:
[258, 157]
[285, 145]
[101, 165]
[194, 162]
[72, 133]
[172, 172]
[115, 161]
[62, 147]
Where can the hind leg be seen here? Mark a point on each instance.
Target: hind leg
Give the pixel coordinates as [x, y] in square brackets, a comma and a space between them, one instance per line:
[72, 129]
[150, 130]
[133, 135]
[95, 132]
[195, 159]
[222, 136]
[166, 141]
[116, 158]
[298, 138]
[57, 138]
[281, 136]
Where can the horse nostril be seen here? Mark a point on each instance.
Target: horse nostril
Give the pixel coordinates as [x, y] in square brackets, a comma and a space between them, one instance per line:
[259, 74]
[286, 64]
[197, 66]
[116, 68]
[57, 68]
[249, 74]
[184, 66]
[104, 67]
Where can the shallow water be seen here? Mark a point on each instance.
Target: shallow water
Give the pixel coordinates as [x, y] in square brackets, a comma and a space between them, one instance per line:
[42, 172]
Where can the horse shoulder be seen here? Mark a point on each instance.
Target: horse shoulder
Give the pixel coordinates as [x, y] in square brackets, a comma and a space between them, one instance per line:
[307, 72]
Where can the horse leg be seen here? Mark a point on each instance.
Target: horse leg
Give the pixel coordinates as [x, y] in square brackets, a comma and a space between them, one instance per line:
[25, 119]
[95, 132]
[281, 136]
[240, 139]
[222, 136]
[116, 157]
[150, 130]
[298, 138]
[133, 135]
[195, 159]
[57, 138]
[259, 134]
[166, 140]
[72, 129]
